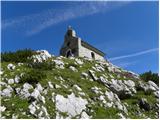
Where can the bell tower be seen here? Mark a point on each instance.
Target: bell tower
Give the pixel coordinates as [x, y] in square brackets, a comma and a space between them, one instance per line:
[70, 32]
[70, 45]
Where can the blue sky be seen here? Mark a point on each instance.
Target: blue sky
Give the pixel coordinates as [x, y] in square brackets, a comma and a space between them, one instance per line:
[126, 31]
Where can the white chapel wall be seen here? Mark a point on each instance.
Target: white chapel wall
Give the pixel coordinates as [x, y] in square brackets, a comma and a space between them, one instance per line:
[84, 52]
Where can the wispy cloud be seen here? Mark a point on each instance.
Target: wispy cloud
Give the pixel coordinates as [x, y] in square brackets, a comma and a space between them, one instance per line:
[126, 64]
[35, 23]
[134, 54]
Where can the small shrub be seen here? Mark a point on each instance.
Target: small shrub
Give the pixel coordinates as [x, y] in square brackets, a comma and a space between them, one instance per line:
[150, 76]
[18, 56]
[43, 66]
[33, 77]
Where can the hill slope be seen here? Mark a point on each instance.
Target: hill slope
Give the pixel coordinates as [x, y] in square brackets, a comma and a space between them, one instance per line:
[58, 87]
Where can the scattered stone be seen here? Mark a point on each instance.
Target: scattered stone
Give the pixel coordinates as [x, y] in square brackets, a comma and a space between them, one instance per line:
[73, 69]
[85, 75]
[3, 83]
[71, 105]
[32, 108]
[77, 87]
[7, 91]
[156, 93]
[78, 61]
[11, 66]
[99, 68]
[42, 98]
[20, 64]
[84, 115]
[50, 84]
[2, 108]
[39, 87]
[109, 104]
[59, 64]
[111, 96]
[57, 86]
[91, 72]
[42, 55]
[95, 90]
[82, 93]
[35, 94]
[45, 112]
[147, 87]
[17, 79]
[1, 72]
[121, 89]
[121, 107]
[14, 116]
[24, 93]
[121, 116]
[10, 81]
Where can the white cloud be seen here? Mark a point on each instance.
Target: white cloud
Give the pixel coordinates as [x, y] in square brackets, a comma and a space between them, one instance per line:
[134, 54]
[126, 64]
[35, 23]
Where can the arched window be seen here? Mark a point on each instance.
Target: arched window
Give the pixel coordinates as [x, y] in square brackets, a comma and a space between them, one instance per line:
[92, 55]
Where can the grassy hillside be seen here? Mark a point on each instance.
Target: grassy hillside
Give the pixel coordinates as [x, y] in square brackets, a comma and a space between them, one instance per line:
[44, 86]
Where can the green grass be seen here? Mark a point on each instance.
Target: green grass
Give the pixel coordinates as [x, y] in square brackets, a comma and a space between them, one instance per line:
[105, 113]
[70, 78]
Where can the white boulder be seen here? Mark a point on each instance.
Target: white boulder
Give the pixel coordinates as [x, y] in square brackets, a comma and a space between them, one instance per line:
[85, 75]
[59, 64]
[73, 69]
[84, 115]
[11, 81]
[50, 84]
[7, 91]
[42, 55]
[77, 87]
[72, 105]
[11, 66]
[78, 61]
[2, 108]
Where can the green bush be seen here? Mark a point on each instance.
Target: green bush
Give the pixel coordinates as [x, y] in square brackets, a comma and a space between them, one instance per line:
[18, 56]
[33, 77]
[150, 76]
[43, 66]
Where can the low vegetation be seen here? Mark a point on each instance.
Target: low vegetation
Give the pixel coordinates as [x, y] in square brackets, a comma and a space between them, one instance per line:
[150, 76]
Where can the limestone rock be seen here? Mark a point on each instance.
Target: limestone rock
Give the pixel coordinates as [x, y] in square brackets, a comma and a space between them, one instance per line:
[91, 72]
[10, 81]
[17, 79]
[7, 91]
[59, 64]
[42, 55]
[78, 61]
[85, 75]
[11, 66]
[71, 105]
[20, 64]
[2, 108]
[77, 87]
[50, 84]
[73, 69]
[84, 115]
[148, 87]
[121, 89]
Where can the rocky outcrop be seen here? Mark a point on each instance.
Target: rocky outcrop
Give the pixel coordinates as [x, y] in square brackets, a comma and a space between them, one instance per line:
[72, 105]
[41, 55]
[75, 88]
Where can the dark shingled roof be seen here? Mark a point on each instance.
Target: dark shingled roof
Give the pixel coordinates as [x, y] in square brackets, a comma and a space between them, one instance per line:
[86, 45]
